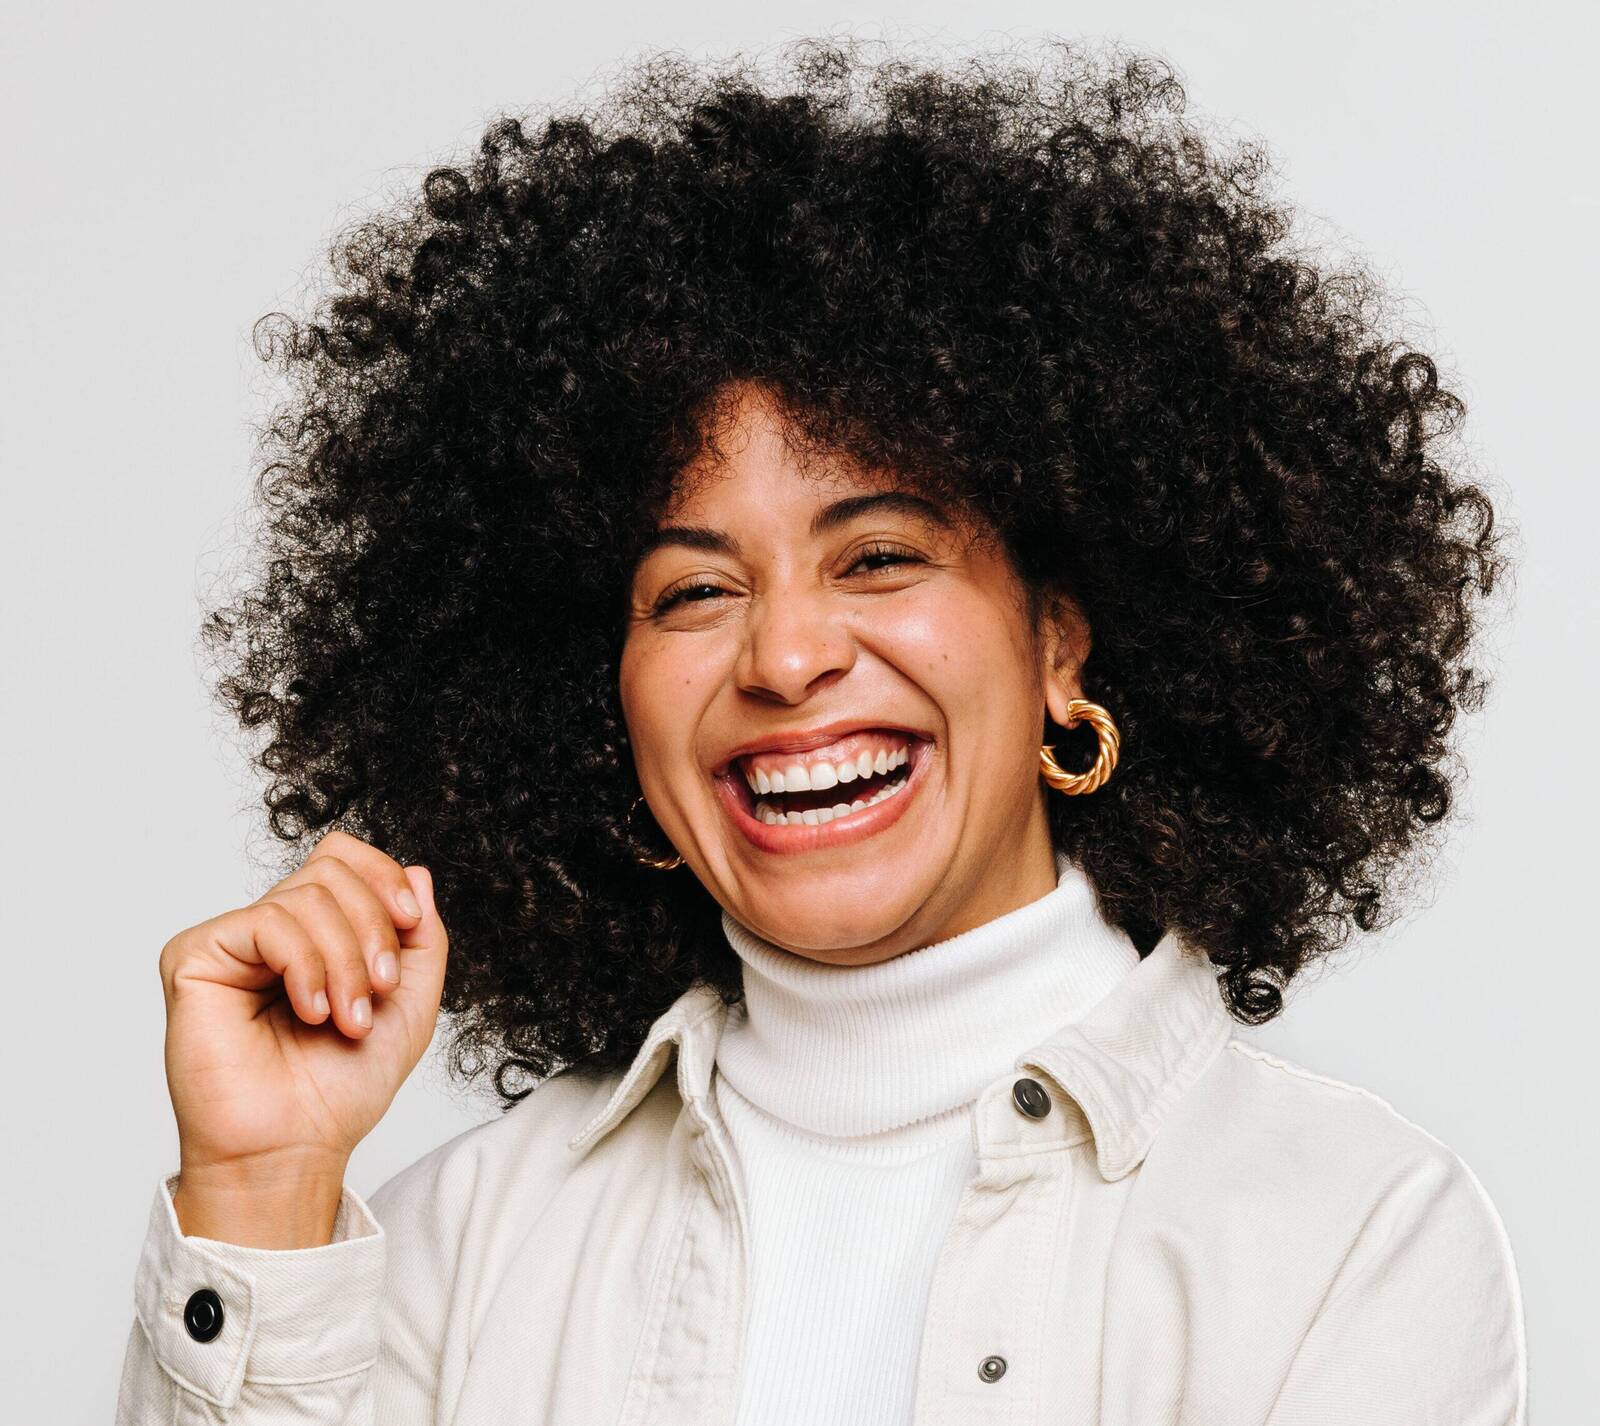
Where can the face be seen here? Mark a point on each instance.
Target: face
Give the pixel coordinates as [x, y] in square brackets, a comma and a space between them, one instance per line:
[875, 654]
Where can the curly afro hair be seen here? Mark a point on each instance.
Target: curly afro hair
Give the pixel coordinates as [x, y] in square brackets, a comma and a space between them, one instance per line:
[1036, 287]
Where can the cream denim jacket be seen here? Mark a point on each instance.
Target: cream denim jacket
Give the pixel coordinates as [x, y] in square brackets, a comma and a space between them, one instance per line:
[1181, 1231]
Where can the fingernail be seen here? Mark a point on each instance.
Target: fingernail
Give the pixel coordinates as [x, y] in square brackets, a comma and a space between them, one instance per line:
[361, 1011]
[407, 903]
[319, 1002]
[388, 966]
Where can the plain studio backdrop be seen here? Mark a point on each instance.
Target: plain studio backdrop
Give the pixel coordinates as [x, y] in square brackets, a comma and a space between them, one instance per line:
[172, 172]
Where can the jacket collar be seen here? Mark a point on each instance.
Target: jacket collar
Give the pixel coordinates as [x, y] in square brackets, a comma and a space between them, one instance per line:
[1125, 1065]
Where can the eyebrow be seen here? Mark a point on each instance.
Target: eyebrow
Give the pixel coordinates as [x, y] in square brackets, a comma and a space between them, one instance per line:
[830, 517]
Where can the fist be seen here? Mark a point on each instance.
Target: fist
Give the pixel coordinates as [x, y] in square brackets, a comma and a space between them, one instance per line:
[293, 1021]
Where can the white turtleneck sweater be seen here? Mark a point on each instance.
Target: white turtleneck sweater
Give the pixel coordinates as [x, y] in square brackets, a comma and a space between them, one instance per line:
[847, 1092]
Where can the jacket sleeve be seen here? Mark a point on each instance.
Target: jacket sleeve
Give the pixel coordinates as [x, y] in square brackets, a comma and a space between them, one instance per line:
[298, 1334]
[1422, 1324]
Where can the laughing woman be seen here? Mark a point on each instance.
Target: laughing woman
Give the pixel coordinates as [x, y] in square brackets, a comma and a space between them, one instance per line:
[889, 613]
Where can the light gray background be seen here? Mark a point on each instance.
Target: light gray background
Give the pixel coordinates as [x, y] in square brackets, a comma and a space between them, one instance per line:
[171, 172]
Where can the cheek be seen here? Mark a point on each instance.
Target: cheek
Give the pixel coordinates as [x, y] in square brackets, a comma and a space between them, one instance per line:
[968, 654]
[661, 685]
[643, 708]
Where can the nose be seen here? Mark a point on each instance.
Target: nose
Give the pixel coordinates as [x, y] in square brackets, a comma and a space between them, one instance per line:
[794, 646]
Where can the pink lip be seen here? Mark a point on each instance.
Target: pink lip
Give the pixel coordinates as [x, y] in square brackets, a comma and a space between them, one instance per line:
[842, 831]
[803, 742]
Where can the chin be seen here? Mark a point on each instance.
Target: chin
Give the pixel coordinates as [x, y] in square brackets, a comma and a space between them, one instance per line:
[839, 914]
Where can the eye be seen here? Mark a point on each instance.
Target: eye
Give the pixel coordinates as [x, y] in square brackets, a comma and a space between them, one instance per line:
[698, 590]
[673, 597]
[890, 554]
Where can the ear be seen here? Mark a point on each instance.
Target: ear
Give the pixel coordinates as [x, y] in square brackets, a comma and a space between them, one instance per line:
[1065, 642]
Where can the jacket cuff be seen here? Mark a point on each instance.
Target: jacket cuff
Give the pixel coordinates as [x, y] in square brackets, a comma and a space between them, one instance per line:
[289, 1315]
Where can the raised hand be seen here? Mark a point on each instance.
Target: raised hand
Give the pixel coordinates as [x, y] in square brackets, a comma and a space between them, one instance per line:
[291, 1024]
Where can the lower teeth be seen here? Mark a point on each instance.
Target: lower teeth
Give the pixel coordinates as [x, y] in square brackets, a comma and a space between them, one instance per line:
[818, 816]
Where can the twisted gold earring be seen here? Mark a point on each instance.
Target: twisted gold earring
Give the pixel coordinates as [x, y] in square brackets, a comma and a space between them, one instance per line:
[1109, 739]
[659, 863]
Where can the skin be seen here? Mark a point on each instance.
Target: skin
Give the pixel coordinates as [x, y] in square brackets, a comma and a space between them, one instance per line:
[793, 632]
[273, 1086]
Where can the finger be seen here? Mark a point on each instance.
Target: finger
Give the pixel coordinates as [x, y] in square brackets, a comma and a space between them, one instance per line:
[424, 951]
[257, 947]
[378, 869]
[349, 984]
[370, 918]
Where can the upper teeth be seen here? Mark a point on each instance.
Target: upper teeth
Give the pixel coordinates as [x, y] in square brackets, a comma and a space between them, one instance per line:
[822, 775]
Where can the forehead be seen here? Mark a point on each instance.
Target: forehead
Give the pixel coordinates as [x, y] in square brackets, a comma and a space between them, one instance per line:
[760, 468]
[709, 531]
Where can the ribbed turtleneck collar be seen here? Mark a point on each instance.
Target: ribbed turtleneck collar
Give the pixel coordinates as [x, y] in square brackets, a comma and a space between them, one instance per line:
[854, 1050]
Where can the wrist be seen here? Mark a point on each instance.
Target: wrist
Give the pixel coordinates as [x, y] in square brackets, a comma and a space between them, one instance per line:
[286, 1200]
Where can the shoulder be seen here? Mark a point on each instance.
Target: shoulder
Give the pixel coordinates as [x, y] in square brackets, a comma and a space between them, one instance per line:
[1305, 1122]
[1305, 1112]
[1299, 1143]
[1405, 1255]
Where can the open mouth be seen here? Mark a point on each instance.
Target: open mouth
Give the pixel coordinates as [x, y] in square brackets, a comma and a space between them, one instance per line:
[845, 788]
[817, 806]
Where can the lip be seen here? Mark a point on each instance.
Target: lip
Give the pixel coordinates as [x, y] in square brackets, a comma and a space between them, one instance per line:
[842, 831]
[804, 742]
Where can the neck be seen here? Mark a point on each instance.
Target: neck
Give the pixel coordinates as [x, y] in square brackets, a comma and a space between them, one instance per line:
[855, 1050]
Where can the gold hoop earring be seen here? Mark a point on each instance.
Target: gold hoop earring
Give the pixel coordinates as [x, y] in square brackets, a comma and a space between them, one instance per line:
[1110, 741]
[659, 863]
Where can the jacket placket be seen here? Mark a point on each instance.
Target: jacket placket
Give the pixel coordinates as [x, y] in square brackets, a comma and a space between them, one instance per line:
[984, 1352]
[687, 1369]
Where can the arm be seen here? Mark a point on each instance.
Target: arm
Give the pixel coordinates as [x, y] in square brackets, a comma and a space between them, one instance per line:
[1422, 1324]
[291, 1022]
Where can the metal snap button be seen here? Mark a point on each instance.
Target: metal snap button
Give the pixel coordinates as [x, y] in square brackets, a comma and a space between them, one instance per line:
[992, 1368]
[202, 1315]
[1030, 1098]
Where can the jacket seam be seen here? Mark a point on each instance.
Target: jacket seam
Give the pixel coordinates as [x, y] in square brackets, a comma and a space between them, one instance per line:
[1295, 1071]
[1065, 1187]
[174, 1374]
[1509, 1261]
[338, 1375]
[641, 1388]
[1255, 1052]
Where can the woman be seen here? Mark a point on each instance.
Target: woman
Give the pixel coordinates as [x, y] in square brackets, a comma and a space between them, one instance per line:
[888, 616]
